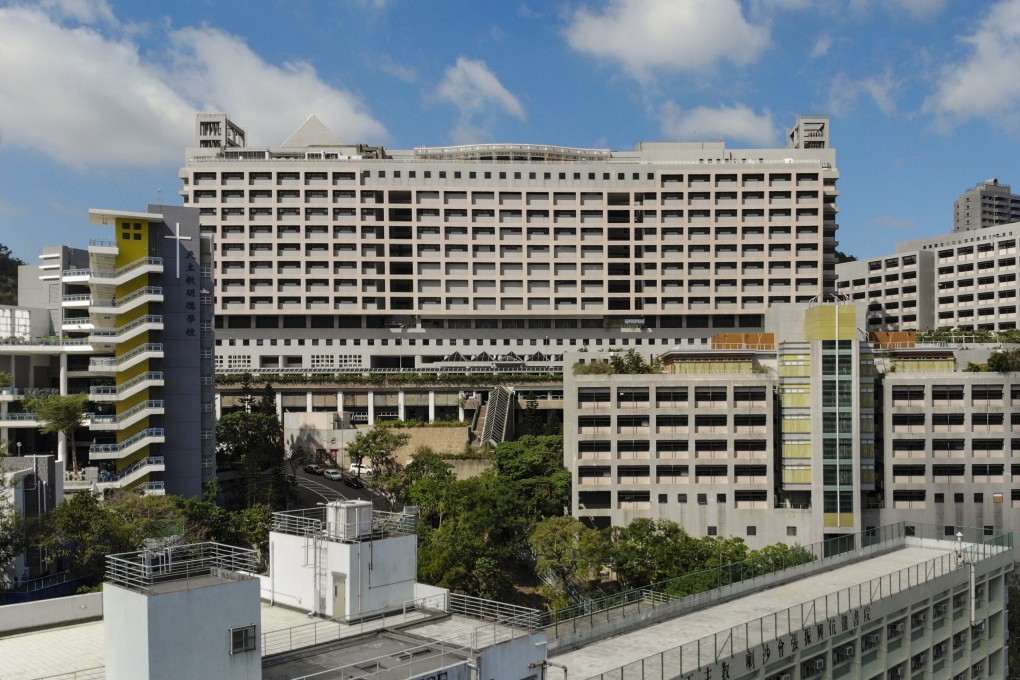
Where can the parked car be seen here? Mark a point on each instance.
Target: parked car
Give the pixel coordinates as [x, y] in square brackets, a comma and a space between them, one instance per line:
[361, 469]
[314, 469]
[335, 475]
[354, 482]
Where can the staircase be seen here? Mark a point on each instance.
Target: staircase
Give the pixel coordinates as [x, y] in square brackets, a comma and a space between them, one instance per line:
[498, 415]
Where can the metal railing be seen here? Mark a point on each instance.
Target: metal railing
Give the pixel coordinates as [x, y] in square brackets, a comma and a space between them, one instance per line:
[115, 418]
[114, 390]
[599, 612]
[113, 332]
[144, 462]
[144, 568]
[689, 657]
[494, 611]
[127, 443]
[313, 522]
[145, 261]
[147, 290]
[149, 347]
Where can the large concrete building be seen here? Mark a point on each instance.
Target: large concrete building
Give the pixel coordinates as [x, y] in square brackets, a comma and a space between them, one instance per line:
[965, 280]
[333, 256]
[129, 322]
[808, 431]
[986, 205]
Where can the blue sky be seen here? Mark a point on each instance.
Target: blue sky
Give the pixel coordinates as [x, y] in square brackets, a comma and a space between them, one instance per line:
[97, 98]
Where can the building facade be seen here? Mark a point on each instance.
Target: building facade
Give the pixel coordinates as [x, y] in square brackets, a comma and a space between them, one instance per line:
[335, 257]
[986, 205]
[127, 321]
[965, 280]
[811, 430]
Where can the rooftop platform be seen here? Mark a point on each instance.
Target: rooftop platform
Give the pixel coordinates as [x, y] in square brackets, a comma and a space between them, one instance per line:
[693, 638]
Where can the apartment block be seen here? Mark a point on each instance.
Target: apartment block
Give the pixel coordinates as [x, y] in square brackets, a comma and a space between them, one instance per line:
[129, 322]
[334, 256]
[986, 205]
[965, 280]
[766, 436]
[810, 430]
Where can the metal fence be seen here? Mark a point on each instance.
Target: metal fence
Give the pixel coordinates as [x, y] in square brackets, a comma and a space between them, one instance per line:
[594, 613]
[144, 568]
[710, 649]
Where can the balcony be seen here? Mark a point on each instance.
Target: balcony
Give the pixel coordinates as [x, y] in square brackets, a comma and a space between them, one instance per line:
[152, 435]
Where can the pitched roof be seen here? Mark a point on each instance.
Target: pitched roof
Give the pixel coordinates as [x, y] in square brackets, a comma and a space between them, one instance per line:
[312, 133]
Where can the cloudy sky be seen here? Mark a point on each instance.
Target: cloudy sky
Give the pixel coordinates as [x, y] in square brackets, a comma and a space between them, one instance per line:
[97, 97]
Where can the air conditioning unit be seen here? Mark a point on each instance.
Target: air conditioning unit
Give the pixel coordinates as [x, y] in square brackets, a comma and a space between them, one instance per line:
[819, 664]
[941, 609]
[786, 676]
[874, 638]
[896, 673]
[849, 651]
[978, 626]
[897, 628]
[922, 617]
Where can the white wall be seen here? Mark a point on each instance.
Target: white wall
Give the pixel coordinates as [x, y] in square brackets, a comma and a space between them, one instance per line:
[380, 574]
[59, 610]
[184, 632]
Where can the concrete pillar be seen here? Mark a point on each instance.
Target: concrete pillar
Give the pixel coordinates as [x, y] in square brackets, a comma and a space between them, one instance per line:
[62, 454]
[340, 403]
[308, 402]
[432, 405]
[218, 405]
[279, 406]
[400, 405]
[371, 408]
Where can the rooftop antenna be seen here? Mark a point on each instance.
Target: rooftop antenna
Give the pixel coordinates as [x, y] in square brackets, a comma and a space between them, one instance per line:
[159, 197]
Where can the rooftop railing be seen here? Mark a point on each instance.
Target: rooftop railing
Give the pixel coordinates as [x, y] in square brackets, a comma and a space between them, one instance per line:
[312, 522]
[144, 569]
[819, 611]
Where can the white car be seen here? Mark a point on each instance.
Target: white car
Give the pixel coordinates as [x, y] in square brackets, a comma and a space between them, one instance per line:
[361, 469]
[335, 475]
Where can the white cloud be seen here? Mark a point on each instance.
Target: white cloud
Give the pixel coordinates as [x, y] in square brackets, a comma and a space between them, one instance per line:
[90, 99]
[726, 122]
[477, 93]
[84, 11]
[845, 92]
[665, 35]
[984, 84]
[822, 46]
[219, 72]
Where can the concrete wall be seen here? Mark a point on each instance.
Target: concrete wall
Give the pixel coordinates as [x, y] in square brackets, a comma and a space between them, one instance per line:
[59, 610]
[470, 467]
[511, 659]
[184, 633]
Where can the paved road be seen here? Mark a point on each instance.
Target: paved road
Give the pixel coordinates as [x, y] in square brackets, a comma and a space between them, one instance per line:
[314, 489]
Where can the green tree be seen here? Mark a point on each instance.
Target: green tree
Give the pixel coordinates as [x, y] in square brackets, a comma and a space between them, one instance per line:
[532, 418]
[8, 276]
[251, 441]
[12, 529]
[426, 482]
[647, 551]
[1004, 361]
[6, 379]
[535, 465]
[378, 445]
[59, 413]
[567, 550]
[83, 531]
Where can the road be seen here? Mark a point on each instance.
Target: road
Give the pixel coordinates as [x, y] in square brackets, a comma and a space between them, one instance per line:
[315, 489]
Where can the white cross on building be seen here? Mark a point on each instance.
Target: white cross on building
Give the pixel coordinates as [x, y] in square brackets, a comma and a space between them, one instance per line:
[178, 238]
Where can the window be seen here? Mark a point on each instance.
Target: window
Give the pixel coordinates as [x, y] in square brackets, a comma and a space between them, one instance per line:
[940, 498]
[791, 531]
[681, 498]
[702, 499]
[662, 498]
[957, 497]
[242, 639]
[713, 531]
[979, 498]
[752, 531]
[720, 498]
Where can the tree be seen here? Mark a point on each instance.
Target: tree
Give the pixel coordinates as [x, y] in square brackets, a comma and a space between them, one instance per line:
[532, 418]
[647, 551]
[8, 276]
[251, 440]
[568, 551]
[1004, 361]
[83, 530]
[378, 445]
[60, 413]
[535, 465]
[12, 529]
